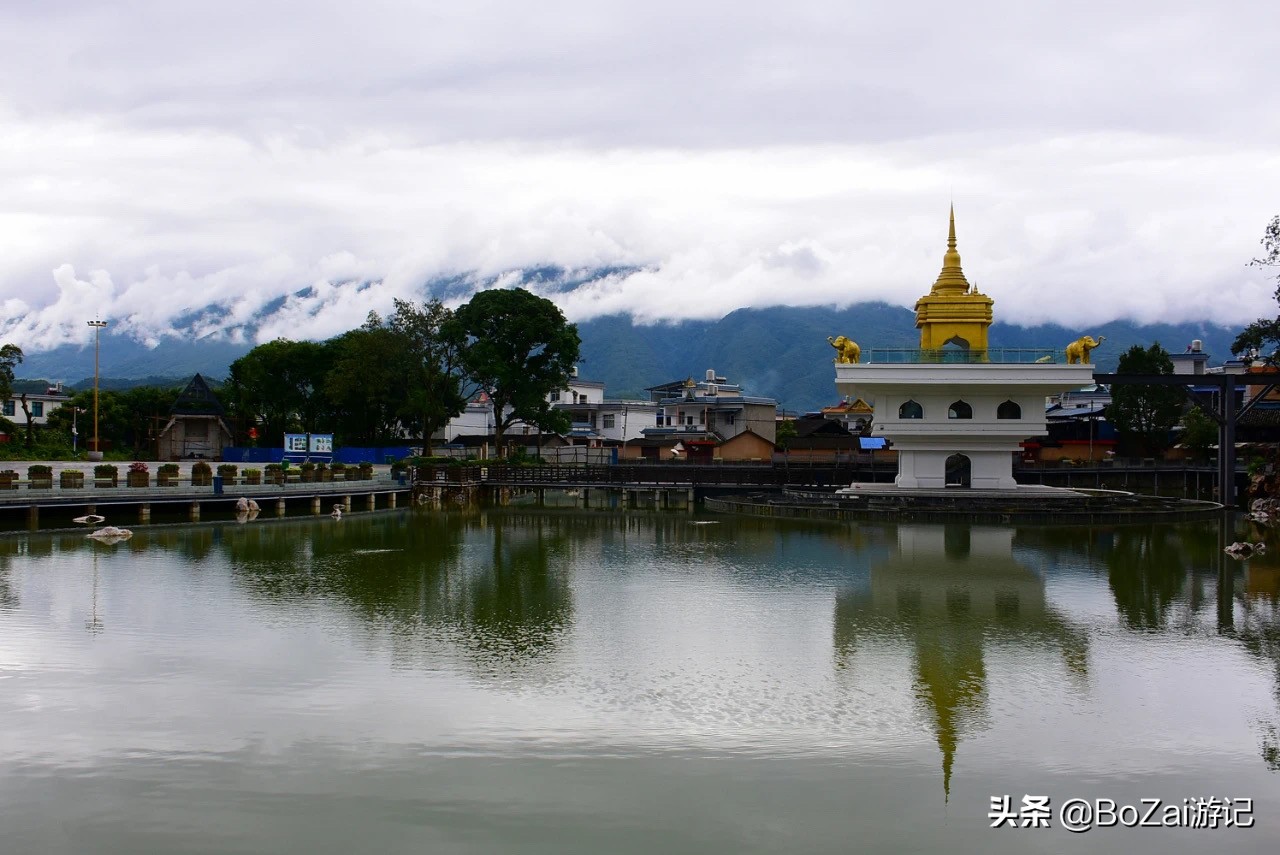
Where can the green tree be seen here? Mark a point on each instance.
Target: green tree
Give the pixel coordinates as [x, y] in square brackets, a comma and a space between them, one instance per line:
[281, 385]
[433, 393]
[518, 349]
[10, 358]
[1199, 432]
[786, 433]
[367, 383]
[1263, 335]
[1144, 415]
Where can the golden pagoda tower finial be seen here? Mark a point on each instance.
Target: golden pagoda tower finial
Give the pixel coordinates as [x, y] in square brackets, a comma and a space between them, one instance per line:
[951, 280]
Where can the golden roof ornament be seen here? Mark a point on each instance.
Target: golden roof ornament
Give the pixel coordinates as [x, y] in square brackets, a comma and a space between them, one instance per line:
[951, 280]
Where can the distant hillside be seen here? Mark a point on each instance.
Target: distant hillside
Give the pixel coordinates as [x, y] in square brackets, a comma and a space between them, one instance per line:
[781, 352]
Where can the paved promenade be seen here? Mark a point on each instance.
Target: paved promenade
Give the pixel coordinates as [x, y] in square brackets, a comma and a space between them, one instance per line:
[22, 494]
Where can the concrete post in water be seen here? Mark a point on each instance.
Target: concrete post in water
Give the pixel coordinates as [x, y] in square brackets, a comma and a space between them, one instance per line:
[391, 500]
[691, 500]
[33, 517]
[373, 501]
[280, 507]
[144, 512]
[315, 504]
[346, 504]
[195, 511]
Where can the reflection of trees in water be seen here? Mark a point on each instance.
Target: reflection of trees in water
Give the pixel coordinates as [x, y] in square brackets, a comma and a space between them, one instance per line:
[481, 582]
[1147, 571]
[947, 591]
[1151, 569]
[516, 606]
[1257, 628]
[1160, 576]
[10, 548]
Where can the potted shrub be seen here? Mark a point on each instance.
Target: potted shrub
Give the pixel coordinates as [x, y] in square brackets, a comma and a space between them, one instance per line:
[228, 472]
[366, 470]
[275, 473]
[323, 472]
[138, 476]
[253, 476]
[201, 474]
[339, 471]
[71, 479]
[167, 475]
[40, 477]
[8, 479]
[308, 471]
[106, 475]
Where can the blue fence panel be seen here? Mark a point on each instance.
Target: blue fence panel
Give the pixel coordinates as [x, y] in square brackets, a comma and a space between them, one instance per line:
[390, 454]
[351, 455]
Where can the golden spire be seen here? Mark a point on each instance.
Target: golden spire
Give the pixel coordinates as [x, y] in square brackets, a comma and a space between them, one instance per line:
[951, 280]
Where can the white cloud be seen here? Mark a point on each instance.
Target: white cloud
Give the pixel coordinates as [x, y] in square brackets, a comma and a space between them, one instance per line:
[189, 156]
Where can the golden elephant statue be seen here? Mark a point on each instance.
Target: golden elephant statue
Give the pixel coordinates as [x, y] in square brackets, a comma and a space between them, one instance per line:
[847, 350]
[1078, 350]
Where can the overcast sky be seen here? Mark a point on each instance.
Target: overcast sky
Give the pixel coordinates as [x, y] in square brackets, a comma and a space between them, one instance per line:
[1106, 160]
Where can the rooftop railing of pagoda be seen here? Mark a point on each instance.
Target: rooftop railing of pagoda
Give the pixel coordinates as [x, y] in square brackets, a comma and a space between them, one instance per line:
[915, 355]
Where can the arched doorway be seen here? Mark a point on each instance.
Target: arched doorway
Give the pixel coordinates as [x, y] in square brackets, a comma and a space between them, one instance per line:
[959, 471]
[955, 349]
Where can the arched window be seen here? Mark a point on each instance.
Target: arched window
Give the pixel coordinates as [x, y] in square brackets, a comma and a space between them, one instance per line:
[1008, 410]
[911, 410]
[960, 410]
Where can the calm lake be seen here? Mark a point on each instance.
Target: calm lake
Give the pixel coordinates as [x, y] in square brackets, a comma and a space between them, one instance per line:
[560, 682]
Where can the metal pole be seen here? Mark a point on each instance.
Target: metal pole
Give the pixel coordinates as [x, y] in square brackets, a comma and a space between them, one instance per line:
[96, 451]
[96, 336]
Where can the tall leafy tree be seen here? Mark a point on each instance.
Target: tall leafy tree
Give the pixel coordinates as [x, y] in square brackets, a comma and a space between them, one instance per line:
[1144, 415]
[433, 392]
[1199, 432]
[281, 385]
[10, 358]
[518, 349]
[1263, 335]
[367, 383]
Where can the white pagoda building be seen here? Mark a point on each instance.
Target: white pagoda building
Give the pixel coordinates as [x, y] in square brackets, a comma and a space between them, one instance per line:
[955, 409]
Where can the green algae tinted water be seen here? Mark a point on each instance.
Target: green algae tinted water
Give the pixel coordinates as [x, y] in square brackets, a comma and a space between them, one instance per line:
[561, 683]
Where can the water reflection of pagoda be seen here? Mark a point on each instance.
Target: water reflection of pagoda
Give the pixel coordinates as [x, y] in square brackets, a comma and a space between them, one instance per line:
[948, 590]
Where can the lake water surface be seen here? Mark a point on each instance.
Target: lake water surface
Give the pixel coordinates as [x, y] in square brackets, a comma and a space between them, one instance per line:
[566, 682]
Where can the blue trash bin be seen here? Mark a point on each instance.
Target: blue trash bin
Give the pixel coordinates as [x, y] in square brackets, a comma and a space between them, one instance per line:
[217, 485]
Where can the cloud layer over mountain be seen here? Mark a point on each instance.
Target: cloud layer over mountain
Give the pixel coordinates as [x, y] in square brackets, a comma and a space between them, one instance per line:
[274, 169]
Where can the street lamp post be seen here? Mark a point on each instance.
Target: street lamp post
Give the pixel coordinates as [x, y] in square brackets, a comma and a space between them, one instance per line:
[95, 452]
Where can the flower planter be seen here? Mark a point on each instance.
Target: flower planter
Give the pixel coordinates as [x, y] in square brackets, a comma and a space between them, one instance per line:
[39, 483]
[253, 479]
[166, 479]
[201, 480]
[104, 483]
[71, 480]
[9, 481]
[139, 479]
[326, 475]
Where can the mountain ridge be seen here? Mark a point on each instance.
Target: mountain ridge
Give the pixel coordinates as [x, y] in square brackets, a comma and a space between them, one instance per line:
[780, 351]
